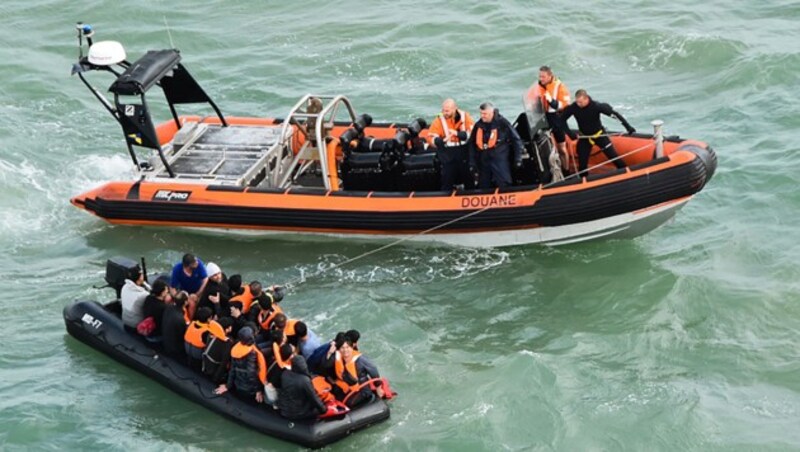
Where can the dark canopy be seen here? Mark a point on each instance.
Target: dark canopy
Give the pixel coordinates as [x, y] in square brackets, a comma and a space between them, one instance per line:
[145, 72]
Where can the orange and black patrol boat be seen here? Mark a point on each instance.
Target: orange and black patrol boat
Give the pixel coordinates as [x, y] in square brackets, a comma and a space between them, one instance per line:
[323, 169]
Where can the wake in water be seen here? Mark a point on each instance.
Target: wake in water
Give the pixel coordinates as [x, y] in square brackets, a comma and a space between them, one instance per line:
[414, 266]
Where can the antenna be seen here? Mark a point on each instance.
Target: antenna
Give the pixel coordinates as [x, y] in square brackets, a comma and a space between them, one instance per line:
[171, 43]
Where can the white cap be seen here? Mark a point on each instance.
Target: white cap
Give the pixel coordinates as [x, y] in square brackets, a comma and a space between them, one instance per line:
[212, 269]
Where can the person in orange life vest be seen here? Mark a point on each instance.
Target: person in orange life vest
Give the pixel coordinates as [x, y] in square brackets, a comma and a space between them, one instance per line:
[554, 97]
[196, 337]
[217, 355]
[248, 373]
[275, 368]
[269, 301]
[262, 313]
[279, 322]
[290, 330]
[277, 355]
[173, 327]
[297, 397]
[251, 292]
[587, 114]
[448, 134]
[189, 275]
[347, 379]
[489, 145]
[365, 367]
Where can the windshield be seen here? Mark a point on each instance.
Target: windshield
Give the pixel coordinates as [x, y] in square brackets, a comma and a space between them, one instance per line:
[534, 111]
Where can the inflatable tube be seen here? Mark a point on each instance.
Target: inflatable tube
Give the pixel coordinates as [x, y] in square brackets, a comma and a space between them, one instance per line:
[98, 327]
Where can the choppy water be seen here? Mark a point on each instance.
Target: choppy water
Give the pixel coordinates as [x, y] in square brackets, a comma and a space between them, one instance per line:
[683, 339]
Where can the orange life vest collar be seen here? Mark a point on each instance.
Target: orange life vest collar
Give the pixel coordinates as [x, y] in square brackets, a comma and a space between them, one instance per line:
[485, 145]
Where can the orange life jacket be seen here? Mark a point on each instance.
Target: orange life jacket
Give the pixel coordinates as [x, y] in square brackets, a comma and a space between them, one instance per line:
[323, 389]
[246, 298]
[556, 89]
[485, 145]
[289, 330]
[216, 329]
[241, 351]
[269, 316]
[276, 352]
[340, 367]
[194, 334]
[442, 126]
[186, 317]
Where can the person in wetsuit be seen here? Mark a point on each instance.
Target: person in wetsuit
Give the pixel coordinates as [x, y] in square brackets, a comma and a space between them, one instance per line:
[587, 114]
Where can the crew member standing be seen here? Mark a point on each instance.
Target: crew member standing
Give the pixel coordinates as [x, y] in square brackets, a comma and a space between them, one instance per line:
[489, 146]
[449, 133]
[554, 97]
[587, 113]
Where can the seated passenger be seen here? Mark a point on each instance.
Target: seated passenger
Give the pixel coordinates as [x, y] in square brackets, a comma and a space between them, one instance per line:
[238, 318]
[132, 298]
[235, 285]
[190, 275]
[196, 337]
[250, 293]
[217, 355]
[262, 312]
[347, 387]
[217, 293]
[173, 327]
[365, 367]
[154, 306]
[248, 373]
[297, 397]
[275, 368]
[307, 341]
[279, 322]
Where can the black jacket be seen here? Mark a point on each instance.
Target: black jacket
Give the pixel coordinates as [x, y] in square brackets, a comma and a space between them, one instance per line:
[297, 398]
[173, 329]
[221, 309]
[153, 307]
[507, 139]
[217, 359]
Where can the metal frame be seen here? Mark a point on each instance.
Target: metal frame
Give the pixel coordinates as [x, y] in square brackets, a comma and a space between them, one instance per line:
[331, 109]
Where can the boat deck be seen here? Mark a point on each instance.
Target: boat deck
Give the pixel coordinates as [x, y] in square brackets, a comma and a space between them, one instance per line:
[224, 155]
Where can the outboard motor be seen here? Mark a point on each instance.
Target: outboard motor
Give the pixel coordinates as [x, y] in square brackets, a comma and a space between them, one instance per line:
[118, 269]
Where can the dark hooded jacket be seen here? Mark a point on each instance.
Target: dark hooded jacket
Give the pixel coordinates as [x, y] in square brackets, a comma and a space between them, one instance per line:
[297, 398]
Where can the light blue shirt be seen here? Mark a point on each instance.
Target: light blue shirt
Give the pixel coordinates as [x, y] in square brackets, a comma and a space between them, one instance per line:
[310, 344]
